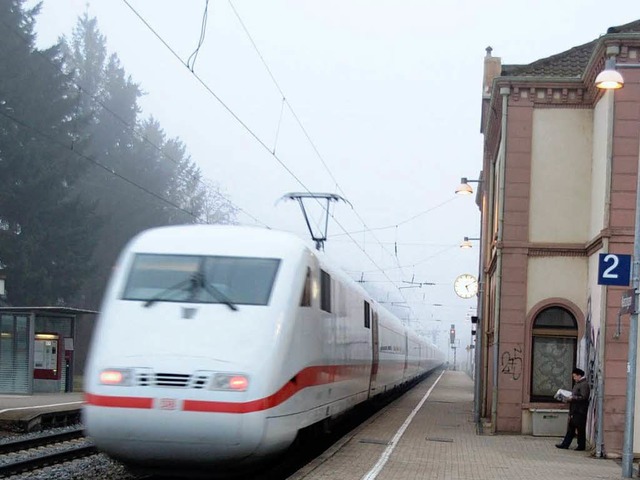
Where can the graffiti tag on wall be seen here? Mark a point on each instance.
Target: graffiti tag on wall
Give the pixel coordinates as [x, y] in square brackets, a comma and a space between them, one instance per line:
[511, 363]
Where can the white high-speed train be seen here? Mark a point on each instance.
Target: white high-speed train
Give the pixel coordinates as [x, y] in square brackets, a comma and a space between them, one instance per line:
[215, 345]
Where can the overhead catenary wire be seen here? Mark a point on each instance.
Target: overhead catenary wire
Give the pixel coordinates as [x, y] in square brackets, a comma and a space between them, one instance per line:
[275, 142]
[191, 61]
[319, 155]
[69, 147]
[300, 124]
[410, 219]
[419, 262]
[245, 126]
[402, 244]
[217, 97]
[131, 128]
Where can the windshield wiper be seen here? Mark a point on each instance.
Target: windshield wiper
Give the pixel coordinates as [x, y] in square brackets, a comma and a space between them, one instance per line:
[213, 291]
[193, 284]
[177, 287]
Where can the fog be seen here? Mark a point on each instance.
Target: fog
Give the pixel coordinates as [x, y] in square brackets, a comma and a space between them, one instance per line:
[378, 102]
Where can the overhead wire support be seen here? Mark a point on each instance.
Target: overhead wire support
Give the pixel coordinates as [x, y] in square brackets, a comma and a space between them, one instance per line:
[417, 284]
[298, 121]
[215, 95]
[255, 136]
[203, 31]
[318, 237]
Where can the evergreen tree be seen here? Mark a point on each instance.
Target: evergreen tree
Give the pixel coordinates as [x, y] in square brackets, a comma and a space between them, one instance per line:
[46, 233]
[151, 181]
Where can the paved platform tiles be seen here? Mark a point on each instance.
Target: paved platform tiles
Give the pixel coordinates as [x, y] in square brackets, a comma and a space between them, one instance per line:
[440, 442]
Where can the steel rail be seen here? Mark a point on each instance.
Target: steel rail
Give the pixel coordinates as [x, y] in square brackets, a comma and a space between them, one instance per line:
[48, 439]
[46, 460]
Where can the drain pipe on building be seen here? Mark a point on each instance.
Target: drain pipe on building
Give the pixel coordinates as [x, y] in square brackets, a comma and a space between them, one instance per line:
[477, 367]
[502, 158]
[483, 322]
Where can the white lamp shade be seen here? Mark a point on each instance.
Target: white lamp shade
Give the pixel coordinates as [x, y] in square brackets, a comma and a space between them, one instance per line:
[464, 189]
[609, 80]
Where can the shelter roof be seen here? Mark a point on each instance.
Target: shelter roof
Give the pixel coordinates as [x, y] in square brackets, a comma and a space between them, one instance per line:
[52, 310]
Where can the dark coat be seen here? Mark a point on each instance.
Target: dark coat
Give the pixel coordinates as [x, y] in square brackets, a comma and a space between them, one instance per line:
[579, 403]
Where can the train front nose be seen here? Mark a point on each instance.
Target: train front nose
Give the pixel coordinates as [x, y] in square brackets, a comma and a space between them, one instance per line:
[165, 437]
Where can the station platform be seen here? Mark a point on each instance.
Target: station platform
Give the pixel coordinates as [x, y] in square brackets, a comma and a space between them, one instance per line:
[429, 433]
[26, 413]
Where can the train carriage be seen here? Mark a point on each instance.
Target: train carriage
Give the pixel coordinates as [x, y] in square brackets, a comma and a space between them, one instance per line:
[215, 345]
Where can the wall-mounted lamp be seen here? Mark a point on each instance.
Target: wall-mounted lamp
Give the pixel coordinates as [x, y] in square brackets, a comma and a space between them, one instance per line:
[609, 78]
[466, 243]
[464, 188]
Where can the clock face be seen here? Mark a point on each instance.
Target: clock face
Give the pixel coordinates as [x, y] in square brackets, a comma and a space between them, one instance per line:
[466, 286]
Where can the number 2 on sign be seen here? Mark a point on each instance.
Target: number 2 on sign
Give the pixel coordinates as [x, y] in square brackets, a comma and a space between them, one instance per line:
[608, 272]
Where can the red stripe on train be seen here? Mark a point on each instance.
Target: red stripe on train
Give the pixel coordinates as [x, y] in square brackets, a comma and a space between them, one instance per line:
[118, 402]
[308, 377]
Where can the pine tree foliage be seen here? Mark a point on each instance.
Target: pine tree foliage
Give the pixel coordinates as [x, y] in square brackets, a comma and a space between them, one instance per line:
[80, 171]
[46, 231]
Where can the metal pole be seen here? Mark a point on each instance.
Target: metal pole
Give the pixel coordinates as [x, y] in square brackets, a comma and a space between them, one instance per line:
[454, 357]
[599, 365]
[627, 449]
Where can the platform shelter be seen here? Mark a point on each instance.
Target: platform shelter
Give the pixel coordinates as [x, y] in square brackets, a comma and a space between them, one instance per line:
[37, 349]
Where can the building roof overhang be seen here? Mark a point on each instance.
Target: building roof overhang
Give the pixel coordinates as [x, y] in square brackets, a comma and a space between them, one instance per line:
[595, 62]
[584, 81]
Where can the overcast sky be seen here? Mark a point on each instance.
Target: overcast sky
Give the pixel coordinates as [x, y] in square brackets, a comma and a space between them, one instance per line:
[388, 91]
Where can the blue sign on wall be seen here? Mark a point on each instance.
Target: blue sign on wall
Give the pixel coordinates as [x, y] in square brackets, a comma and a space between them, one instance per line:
[614, 269]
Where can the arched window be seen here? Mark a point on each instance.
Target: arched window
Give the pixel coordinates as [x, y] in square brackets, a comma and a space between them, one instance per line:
[554, 345]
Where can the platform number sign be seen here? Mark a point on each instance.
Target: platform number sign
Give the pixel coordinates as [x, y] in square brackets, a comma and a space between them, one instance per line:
[614, 269]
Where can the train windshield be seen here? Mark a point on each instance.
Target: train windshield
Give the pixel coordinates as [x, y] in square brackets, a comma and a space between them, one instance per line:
[201, 279]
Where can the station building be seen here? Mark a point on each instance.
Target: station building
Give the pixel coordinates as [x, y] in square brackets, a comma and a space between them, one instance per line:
[557, 189]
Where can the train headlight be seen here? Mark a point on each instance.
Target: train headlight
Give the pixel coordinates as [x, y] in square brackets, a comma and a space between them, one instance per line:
[230, 381]
[116, 376]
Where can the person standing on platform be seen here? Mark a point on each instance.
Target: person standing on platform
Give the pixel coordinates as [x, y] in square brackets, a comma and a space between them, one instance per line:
[578, 408]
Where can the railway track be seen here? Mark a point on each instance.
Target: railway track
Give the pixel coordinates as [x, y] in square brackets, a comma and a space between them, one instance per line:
[32, 455]
[54, 449]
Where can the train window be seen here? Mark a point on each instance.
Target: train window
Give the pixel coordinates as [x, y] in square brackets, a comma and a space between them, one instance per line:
[325, 291]
[201, 279]
[305, 301]
[367, 315]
